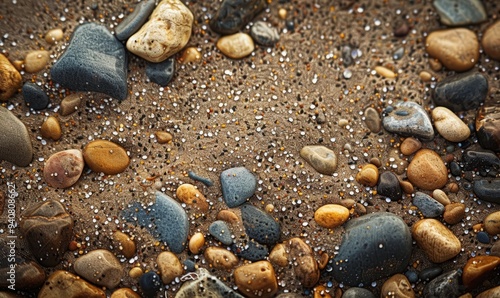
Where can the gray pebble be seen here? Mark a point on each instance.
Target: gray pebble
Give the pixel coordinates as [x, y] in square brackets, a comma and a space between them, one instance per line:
[427, 205]
[220, 230]
[133, 22]
[430, 273]
[15, 142]
[264, 34]
[259, 225]
[461, 92]
[238, 185]
[460, 12]
[358, 293]
[488, 190]
[409, 119]
[161, 73]
[34, 96]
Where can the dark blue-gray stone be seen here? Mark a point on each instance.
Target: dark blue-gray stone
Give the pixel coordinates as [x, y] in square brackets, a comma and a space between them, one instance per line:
[412, 276]
[488, 125]
[259, 225]
[34, 96]
[388, 186]
[488, 190]
[205, 285]
[444, 286]
[134, 21]
[455, 169]
[460, 12]
[358, 293]
[250, 250]
[427, 205]
[483, 237]
[233, 15]
[479, 159]
[409, 119]
[430, 273]
[94, 61]
[461, 92]
[165, 219]
[238, 185]
[190, 265]
[150, 283]
[161, 73]
[374, 246]
[220, 230]
[264, 34]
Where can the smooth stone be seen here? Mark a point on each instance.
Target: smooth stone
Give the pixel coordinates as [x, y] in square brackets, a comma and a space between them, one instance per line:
[495, 249]
[51, 129]
[441, 197]
[106, 157]
[478, 268]
[401, 28]
[196, 242]
[449, 126]
[398, 53]
[410, 145]
[430, 273]
[461, 92]
[368, 175]
[320, 158]
[220, 230]
[259, 225]
[36, 61]
[220, 258]
[388, 186]
[256, 280]
[124, 243]
[135, 272]
[491, 293]
[250, 250]
[444, 286]
[436, 240]
[34, 96]
[10, 79]
[491, 41]
[409, 119]
[134, 21]
[488, 190]
[166, 33]
[228, 216]
[427, 205]
[150, 284]
[479, 159]
[63, 169]
[48, 229]
[205, 285]
[15, 141]
[397, 286]
[264, 34]
[163, 137]
[125, 293]
[65, 284]
[94, 61]
[279, 255]
[190, 54]
[189, 265]
[483, 237]
[54, 35]
[492, 223]
[385, 72]
[460, 12]
[331, 215]
[454, 213]
[455, 169]
[427, 170]
[233, 15]
[305, 266]
[374, 246]
[407, 187]
[356, 292]
[412, 276]
[238, 185]
[191, 196]
[161, 73]
[372, 120]
[236, 46]
[170, 266]
[25, 275]
[488, 126]
[70, 104]
[100, 267]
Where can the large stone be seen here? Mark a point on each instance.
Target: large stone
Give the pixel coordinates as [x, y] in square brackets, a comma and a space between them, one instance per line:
[64, 284]
[10, 79]
[460, 12]
[100, 267]
[409, 119]
[15, 142]
[233, 15]
[238, 185]
[461, 92]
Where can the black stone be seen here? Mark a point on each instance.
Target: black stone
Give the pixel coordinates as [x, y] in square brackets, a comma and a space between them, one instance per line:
[388, 186]
[455, 169]
[259, 225]
[427, 205]
[250, 250]
[150, 283]
[461, 92]
[444, 286]
[133, 22]
[34, 96]
[430, 273]
[488, 190]
[233, 15]
[480, 160]
[488, 126]
[161, 73]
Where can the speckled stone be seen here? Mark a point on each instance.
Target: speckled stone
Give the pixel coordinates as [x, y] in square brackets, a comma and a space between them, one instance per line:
[479, 160]
[250, 250]
[397, 286]
[449, 126]
[220, 230]
[15, 141]
[233, 15]
[170, 266]
[372, 120]
[220, 258]
[238, 185]
[427, 170]
[436, 240]
[64, 168]
[259, 225]
[460, 12]
[355, 292]
[161, 73]
[34, 96]
[492, 223]
[427, 205]
[205, 285]
[374, 246]
[150, 284]
[445, 285]
[491, 41]
[256, 280]
[320, 158]
[388, 186]
[264, 34]
[10, 79]
[461, 92]
[488, 190]
[134, 21]
[409, 119]
[304, 263]
[65, 284]
[106, 157]
[100, 267]
[488, 125]
[236, 46]
[124, 243]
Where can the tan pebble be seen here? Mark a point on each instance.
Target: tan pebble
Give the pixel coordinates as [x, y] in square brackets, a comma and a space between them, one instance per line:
[228, 216]
[492, 223]
[441, 197]
[190, 195]
[368, 175]
[170, 266]
[343, 122]
[163, 137]
[425, 76]
[282, 13]
[410, 145]
[36, 61]
[51, 129]
[70, 104]
[449, 126]
[100, 267]
[452, 187]
[220, 258]
[64, 168]
[466, 295]
[331, 215]
[450, 48]
[407, 187]
[478, 227]
[125, 293]
[269, 208]
[106, 157]
[491, 41]
[64, 284]
[436, 240]
[320, 158]
[491, 293]
[54, 36]
[305, 266]
[256, 280]
[190, 54]
[385, 72]
[135, 272]
[495, 249]
[454, 213]
[18, 64]
[477, 269]
[427, 171]
[10, 79]
[196, 243]
[279, 255]
[376, 162]
[323, 260]
[435, 64]
[124, 243]
[321, 292]
[236, 46]
[397, 286]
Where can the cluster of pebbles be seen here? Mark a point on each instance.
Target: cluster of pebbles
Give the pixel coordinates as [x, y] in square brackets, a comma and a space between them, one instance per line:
[251, 149]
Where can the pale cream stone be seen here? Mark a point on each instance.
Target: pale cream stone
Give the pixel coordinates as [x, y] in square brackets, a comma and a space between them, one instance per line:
[385, 72]
[54, 35]
[236, 46]
[449, 126]
[36, 61]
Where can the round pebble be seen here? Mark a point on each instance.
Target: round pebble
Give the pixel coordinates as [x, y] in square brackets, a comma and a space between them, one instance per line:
[441, 197]
[124, 243]
[135, 272]
[492, 223]
[410, 146]
[190, 54]
[36, 61]
[368, 175]
[436, 240]
[170, 266]
[51, 129]
[190, 195]
[454, 213]
[34, 96]
[54, 35]
[407, 187]
[491, 41]
[100, 267]
[196, 243]
[356, 292]
[65, 284]
[256, 280]
[397, 286]
[220, 258]
[331, 215]
[64, 168]
[163, 137]
[320, 158]
[228, 216]
[449, 126]
[125, 293]
[150, 284]
[236, 46]
[425, 76]
[106, 157]
[427, 171]
[10, 79]
[483, 237]
[238, 185]
[477, 268]
[430, 273]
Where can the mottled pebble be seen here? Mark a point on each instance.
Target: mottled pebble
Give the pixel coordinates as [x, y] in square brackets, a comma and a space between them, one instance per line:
[445, 285]
[320, 158]
[491, 293]
[220, 258]
[305, 266]
[491, 41]
[205, 285]
[238, 185]
[488, 190]
[385, 72]
[355, 292]
[161, 73]
[427, 205]
[220, 230]
[233, 15]
[106, 157]
[264, 34]
[483, 237]
[410, 145]
[479, 159]
[134, 21]
[427, 171]
[190, 195]
[441, 197]
[256, 280]
[460, 12]
[430, 273]
[51, 129]
[488, 126]
[34, 96]
[477, 269]
[368, 175]
[10, 79]
[250, 250]
[190, 54]
[331, 215]
[64, 168]
[36, 61]
[196, 242]
[125, 293]
[397, 286]
[492, 223]
[449, 126]
[170, 266]
[372, 120]
[409, 119]
[461, 92]
[436, 240]
[124, 243]
[100, 267]
[70, 104]
[54, 35]
[64, 284]
[388, 186]
[15, 141]
[454, 213]
[236, 46]
[279, 255]
[150, 284]
[259, 225]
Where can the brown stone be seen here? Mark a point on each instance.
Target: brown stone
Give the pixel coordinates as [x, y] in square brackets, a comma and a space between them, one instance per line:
[100, 267]
[220, 258]
[190, 54]
[407, 187]
[492, 223]
[36, 61]
[10, 79]
[368, 175]
[491, 41]
[64, 168]
[190, 195]
[491, 293]
[70, 104]
[305, 266]
[163, 137]
[397, 286]
[51, 129]
[170, 266]
[410, 146]
[106, 157]
[436, 240]
[488, 125]
[256, 280]
[64, 284]
[427, 171]
[125, 293]
[27, 274]
[228, 216]
[124, 243]
[478, 268]
[279, 255]
[454, 213]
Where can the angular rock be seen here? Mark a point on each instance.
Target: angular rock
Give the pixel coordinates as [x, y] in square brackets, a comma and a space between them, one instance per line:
[461, 92]
[427, 205]
[264, 34]
[134, 21]
[320, 158]
[34, 96]
[444, 286]
[220, 230]
[10, 79]
[488, 126]
[491, 41]
[409, 119]
[238, 185]
[233, 15]
[436, 240]
[389, 186]
[64, 168]
[70, 104]
[64, 284]
[205, 285]
[15, 142]
[259, 225]
[100, 267]
[161, 73]
[488, 190]
[460, 12]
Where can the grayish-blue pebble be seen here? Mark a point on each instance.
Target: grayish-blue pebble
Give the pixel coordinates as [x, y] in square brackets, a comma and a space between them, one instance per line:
[427, 205]
[264, 34]
[201, 179]
[250, 250]
[134, 21]
[34, 96]
[259, 225]
[460, 12]
[412, 276]
[161, 73]
[220, 230]
[488, 190]
[483, 237]
[238, 185]
[409, 119]
[358, 293]
[190, 265]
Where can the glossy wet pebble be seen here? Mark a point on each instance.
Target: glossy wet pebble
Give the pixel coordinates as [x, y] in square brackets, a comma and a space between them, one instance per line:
[220, 230]
[389, 186]
[10, 79]
[161, 73]
[15, 141]
[461, 12]
[454, 213]
[170, 266]
[124, 243]
[106, 157]
[220, 258]
[54, 35]
[427, 171]
[51, 129]
[233, 15]
[236, 46]
[449, 126]
[320, 158]
[34, 96]
[374, 246]
[238, 185]
[190, 195]
[134, 21]
[436, 240]
[492, 223]
[368, 175]
[206, 285]
[410, 145]
[264, 34]
[256, 280]
[305, 266]
[445, 285]
[488, 190]
[64, 168]
[409, 119]
[150, 284]
[397, 286]
[100, 267]
[461, 92]
[478, 268]
[427, 205]
[65, 284]
[450, 48]
[491, 41]
[331, 215]
[259, 225]
[196, 242]
[488, 126]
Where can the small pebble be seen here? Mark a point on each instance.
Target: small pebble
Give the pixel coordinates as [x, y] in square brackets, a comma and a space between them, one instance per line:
[196, 243]
[385, 72]
[427, 171]
[228, 216]
[430, 273]
[236, 46]
[134, 21]
[441, 197]
[150, 284]
[483, 237]
[331, 215]
[256, 280]
[64, 168]
[488, 190]
[190, 54]
[259, 225]
[436, 240]
[233, 15]
[220, 258]
[435, 64]
[412, 276]
[477, 269]
[320, 158]
[161, 73]
[51, 129]
[220, 230]
[372, 120]
[410, 145]
[135, 272]
[343, 123]
[36, 61]
[368, 175]
[205, 285]
[397, 286]
[491, 41]
[238, 185]
[125, 293]
[34, 96]
[70, 104]
[124, 243]
[264, 34]
[425, 76]
[53, 36]
[250, 250]
[407, 187]
[163, 137]
[401, 28]
[389, 186]
[10, 79]
[65, 284]
[454, 213]
[355, 292]
[190, 195]
[170, 266]
[282, 13]
[492, 223]
[455, 169]
[106, 157]
[100, 267]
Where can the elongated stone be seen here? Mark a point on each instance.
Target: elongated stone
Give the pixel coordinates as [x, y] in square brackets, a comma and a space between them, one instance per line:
[233, 15]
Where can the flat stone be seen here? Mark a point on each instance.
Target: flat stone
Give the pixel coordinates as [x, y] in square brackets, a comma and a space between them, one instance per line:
[150, 284]
[374, 246]
[10, 79]
[460, 12]
[397, 286]
[48, 229]
[491, 41]
[304, 263]
[445, 285]
[166, 33]
[264, 34]
[480, 160]
[427, 170]
[461, 92]
[203, 285]
[106, 157]
[190, 195]
[356, 292]
[236, 46]
[477, 269]
[427, 205]
[70, 104]
[34, 96]
[488, 126]
[221, 258]
[492, 223]
[454, 213]
[331, 215]
[35, 61]
[320, 158]
[15, 142]
[64, 168]
[100, 267]
[449, 126]
[488, 190]
[238, 185]
[170, 267]
[64, 284]
[457, 49]
[389, 186]
[409, 119]
[161, 73]
[372, 120]
[256, 280]
[436, 240]
[220, 230]
[94, 61]
[259, 225]
[233, 15]
[368, 175]
[134, 21]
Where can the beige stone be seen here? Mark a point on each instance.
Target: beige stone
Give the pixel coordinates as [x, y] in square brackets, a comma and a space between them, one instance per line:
[54, 35]
[492, 223]
[320, 158]
[124, 243]
[256, 280]
[36, 61]
[236, 46]
[441, 197]
[397, 286]
[220, 258]
[491, 41]
[410, 145]
[51, 129]
[70, 104]
[190, 195]
[228, 216]
[100, 267]
[427, 171]
[385, 72]
[449, 126]
[331, 215]
[106, 157]
[10, 79]
[135, 272]
[279, 255]
[491, 293]
[163, 137]
[436, 240]
[170, 266]
[425, 76]
[64, 284]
